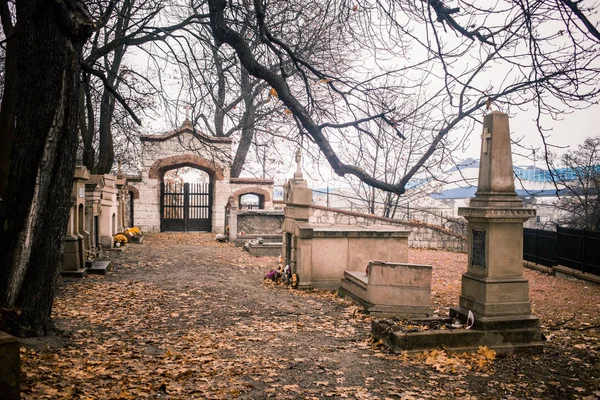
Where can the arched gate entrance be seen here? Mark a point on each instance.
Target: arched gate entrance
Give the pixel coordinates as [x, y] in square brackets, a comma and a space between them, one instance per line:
[185, 206]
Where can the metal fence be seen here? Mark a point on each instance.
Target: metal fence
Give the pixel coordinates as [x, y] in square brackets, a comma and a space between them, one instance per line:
[574, 248]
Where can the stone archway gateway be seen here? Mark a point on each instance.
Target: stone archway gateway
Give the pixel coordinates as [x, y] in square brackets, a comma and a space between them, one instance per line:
[186, 207]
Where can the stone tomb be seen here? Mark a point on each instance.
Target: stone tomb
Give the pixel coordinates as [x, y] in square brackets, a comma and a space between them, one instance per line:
[93, 196]
[109, 212]
[319, 253]
[493, 288]
[323, 253]
[391, 289]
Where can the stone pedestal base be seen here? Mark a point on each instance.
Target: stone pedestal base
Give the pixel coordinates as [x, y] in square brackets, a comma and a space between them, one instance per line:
[72, 256]
[495, 296]
[507, 334]
[503, 341]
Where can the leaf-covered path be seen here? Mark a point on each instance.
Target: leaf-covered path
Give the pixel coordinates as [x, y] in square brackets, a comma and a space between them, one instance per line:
[183, 317]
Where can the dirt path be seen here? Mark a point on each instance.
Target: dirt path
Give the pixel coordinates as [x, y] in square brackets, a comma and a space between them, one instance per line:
[184, 317]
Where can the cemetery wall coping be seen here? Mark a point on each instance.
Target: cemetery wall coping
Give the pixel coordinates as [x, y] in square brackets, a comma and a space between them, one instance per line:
[309, 230]
[391, 220]
[260, 212]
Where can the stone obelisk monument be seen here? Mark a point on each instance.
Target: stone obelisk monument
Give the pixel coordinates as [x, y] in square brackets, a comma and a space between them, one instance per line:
[494, 287]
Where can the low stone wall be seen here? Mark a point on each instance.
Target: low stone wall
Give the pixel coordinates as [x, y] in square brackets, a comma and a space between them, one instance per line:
[259, 221]
[423, 236]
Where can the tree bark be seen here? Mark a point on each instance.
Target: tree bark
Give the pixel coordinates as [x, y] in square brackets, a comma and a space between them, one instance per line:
[86, 125]
[7, 109]
[249, 119]
[34, 213]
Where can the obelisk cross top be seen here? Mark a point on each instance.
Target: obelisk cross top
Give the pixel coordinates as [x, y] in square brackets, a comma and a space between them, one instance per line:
[486, 136]
[298, 174]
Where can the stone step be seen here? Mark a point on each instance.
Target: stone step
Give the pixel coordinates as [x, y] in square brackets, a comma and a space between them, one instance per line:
[357, 278]
[268, 238]
[80, 273]
[99, 267]
[265, 249]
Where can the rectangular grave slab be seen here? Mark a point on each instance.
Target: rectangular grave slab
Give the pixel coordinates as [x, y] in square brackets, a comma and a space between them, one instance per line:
[100, 267]
[322, 253]
[391, 289]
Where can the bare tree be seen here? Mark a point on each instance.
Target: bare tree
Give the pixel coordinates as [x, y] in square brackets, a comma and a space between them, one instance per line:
[110, 86]
[540, 47]
[579, 181]
[34, 210]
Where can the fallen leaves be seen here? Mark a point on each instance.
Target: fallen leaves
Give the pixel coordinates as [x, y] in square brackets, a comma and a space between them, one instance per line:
[184, 317]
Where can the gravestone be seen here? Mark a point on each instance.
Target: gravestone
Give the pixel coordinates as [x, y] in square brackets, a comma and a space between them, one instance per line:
[108, 214]
[391, 289]
[321, 253]
[494, 287]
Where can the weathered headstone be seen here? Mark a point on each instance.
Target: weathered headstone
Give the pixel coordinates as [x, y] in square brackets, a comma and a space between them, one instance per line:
[391, 289]
[494, 287]
[108, 221]
[320, 253]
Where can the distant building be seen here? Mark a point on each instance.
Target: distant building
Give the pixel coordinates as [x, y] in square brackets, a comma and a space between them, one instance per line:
[534, 185]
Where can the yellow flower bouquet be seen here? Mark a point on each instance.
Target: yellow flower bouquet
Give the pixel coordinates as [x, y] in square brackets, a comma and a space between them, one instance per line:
[119, 240]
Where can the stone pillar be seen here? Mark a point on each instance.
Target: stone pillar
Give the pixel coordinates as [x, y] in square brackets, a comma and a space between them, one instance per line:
[121, 185]
[298, 199]
[107, 215]
[74, 250]
[494, 287]
[233, 211]
[93, 195]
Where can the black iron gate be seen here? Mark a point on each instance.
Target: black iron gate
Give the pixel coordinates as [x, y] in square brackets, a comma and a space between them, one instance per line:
[185, 207]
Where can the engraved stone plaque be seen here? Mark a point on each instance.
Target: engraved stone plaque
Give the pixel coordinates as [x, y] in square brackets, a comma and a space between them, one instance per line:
[478, 247]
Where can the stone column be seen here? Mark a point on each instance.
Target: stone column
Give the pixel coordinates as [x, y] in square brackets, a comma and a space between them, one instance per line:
[233, 211]
[298, 199]
[494, 287]
[74, 248]
[121, 196]
[108, 212]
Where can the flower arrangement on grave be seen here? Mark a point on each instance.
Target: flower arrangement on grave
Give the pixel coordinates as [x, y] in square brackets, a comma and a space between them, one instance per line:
[90, 255]
[134, 235]
[119, 240]
[134, 232]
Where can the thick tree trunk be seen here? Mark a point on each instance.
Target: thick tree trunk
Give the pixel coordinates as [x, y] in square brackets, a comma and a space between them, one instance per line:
[7, 110]
[106, 151]
[34, 213]
[242, 151]
[249, 119]
[86, 126]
